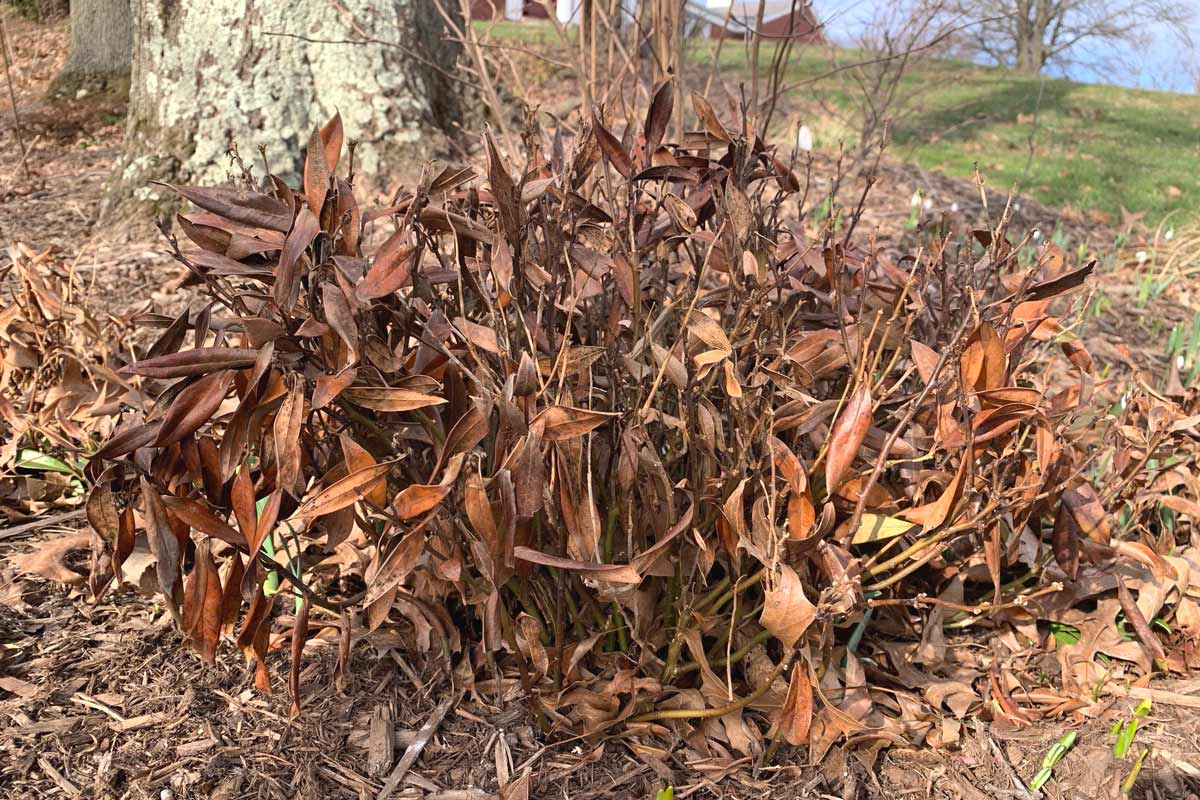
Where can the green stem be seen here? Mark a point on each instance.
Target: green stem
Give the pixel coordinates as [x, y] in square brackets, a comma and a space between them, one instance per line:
[742, 585]
[720, 711]
[734, 657]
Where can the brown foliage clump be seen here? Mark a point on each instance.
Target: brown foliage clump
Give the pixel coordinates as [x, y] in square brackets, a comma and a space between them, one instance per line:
[58, 361]
[621, 427]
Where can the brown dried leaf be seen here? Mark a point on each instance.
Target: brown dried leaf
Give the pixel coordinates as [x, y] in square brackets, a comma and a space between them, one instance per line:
[926, 359]
[469, 431]
[1065, 541]
[847, 436]
[931, 515]
[795, 715]
[193, 407]
[395, 567]
[382, 398]
[241, 496]
[316, 172]
[199, 517]
[357, 458]
[330, 386]
[126, 440]
[331, 138]
[561, 423]
[706, 114]
[708, 330]
[288, 421]
[391, 270]
[419, 498]
[46, 559]
[166, 547]
[480, 336]
[1135, 617]
[613, 573]
[1089, 513]
[340, 317]
[659, 115]
[202, 604]
[343, 493]
[612, 148]
[787, 613]
[200, 361]
[479, 512]
[299, 639]
[249, 208]
[287, 274]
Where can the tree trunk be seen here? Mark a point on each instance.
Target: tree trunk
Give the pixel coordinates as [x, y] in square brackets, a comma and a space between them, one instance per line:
[101, 42]
[1033, 26]
[214, 74]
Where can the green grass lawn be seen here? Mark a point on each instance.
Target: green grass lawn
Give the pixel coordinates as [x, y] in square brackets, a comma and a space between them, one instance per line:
[1096, 147]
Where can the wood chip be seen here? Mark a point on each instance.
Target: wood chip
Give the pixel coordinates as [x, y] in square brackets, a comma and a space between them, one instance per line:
[380, 742]
[91, 702]
[41, 727]
[414, 750]
[1164, 696]
[18, 687]
[68, 788]
[143, 721]
[195, 748]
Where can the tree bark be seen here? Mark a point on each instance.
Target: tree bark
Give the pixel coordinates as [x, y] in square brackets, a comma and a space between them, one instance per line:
[210, 75]
[101, 42]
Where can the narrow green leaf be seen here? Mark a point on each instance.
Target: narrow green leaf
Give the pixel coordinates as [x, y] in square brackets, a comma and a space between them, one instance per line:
[32, 459]
[271, 584]
[1052, 757]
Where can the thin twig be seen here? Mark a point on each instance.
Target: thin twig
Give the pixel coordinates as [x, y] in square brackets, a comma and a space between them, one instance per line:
[37, 524]
[12, 96]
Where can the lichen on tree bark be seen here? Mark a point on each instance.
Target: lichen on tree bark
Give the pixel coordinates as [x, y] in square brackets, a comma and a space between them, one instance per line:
[206, 75]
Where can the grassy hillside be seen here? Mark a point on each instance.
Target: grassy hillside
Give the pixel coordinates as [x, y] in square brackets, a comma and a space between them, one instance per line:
[1097, 149]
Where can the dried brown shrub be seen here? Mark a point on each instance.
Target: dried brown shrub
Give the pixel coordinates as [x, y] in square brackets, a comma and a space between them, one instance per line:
[618, 426]
[57, 374]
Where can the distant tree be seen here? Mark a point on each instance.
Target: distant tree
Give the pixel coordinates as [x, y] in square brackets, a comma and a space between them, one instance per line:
[41, 10]
[1029, 35]
[101, 45]
[893, 40]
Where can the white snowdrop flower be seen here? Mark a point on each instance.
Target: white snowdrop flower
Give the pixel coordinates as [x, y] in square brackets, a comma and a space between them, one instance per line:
[1016, 206]
[954, 207]
[1124, 401]
[1179, 362]
[166, 794]
[1170, 234]
[1037, 235]
[1141, 257]
[577, 750]
[804, 138]
[928, 203]
[916, 200]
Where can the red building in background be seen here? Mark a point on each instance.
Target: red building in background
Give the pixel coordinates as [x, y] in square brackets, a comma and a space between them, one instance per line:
[494, 9]
[780, 18]
[730, 19]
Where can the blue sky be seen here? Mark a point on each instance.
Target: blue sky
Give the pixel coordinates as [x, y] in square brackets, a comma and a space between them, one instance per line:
[1163, 63]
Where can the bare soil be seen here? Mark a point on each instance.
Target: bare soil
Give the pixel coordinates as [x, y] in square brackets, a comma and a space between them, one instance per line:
[99, 701]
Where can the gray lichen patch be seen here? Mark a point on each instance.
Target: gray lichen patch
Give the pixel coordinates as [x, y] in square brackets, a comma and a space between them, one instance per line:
[208, 74]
